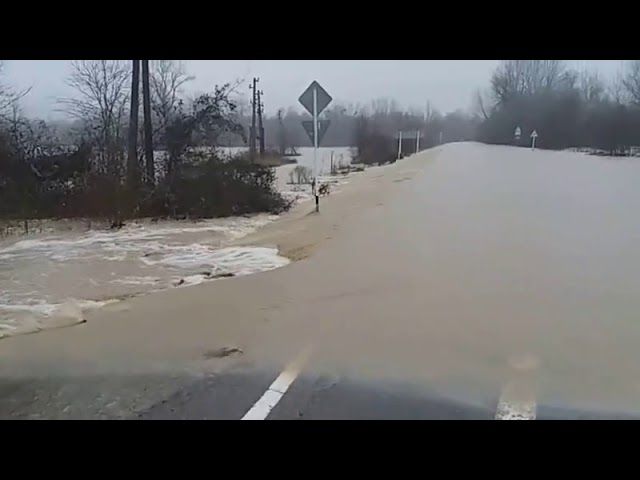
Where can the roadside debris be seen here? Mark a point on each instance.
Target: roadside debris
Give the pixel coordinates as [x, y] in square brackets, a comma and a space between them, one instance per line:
[222, 352]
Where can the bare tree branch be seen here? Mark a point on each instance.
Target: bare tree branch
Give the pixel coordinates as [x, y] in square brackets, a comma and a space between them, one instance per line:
[9, 97]
[527, 77]
[631, 81]
[102, 88]
[166, 80]
[479, 104]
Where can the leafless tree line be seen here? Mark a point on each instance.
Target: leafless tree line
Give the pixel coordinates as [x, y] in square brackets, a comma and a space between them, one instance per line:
[106, 90]
[113, 149]
[9, 96]
[567, 107]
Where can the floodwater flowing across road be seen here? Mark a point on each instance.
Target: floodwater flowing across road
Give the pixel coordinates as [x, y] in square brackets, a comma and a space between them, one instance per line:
[467, 268]
[487, 265]
[493, 255]
[48, 281]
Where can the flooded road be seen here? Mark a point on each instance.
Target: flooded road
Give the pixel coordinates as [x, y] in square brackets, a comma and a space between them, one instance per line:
[488, 275]
[494, 266]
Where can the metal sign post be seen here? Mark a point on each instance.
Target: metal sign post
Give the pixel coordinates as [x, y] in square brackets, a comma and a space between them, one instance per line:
[315, 132]
[315, 99]
[399, 144]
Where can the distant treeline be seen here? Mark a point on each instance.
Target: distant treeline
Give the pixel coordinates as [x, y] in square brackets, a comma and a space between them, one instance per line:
[96, 164]
[388, 118]
[565, 107]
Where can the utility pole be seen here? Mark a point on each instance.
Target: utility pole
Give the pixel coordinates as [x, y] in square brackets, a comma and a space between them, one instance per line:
[282, 138]
[132, 158]
[260, 126]
[148, 129]
[252, 133]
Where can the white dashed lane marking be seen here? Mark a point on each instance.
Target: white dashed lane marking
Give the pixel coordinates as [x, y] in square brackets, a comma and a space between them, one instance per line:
[278, 388]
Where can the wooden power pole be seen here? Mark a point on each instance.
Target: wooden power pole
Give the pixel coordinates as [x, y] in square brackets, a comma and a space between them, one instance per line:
[282, 136]
[252, 133]
[260, 126]
[148, 130]
[132, 158]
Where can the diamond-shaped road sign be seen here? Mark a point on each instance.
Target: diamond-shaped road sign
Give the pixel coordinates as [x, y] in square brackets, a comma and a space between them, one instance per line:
[323, 125]
[323, 98]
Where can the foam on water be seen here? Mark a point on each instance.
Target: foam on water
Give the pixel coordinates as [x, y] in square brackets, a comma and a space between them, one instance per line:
[130, 237]
[50, 281]
[31, 318]
[136, 280]
[231, 260]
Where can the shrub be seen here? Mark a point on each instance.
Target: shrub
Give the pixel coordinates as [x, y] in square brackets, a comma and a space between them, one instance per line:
[208, 186]
[300, 175]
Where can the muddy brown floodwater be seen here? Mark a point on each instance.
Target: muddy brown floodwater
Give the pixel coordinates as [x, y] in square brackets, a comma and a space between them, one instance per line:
[468, 267]
[488, 265]
[496, 260]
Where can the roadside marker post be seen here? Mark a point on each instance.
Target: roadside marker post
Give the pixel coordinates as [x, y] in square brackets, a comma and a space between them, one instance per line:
[534, 135]
[315, 99]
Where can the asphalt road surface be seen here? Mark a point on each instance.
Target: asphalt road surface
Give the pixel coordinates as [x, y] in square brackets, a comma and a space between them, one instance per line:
[231, 396]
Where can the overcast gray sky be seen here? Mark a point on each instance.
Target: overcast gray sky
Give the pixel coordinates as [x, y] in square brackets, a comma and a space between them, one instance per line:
[448, 84]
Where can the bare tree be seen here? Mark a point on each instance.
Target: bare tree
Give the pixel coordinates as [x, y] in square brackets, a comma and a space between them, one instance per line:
[19, 130]
[591, 87]
[527, 77]
[479, 103]
[9, 97]
[102, 95]
[384, 106]
[618, 90]
[166, 80]
[631, 81]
